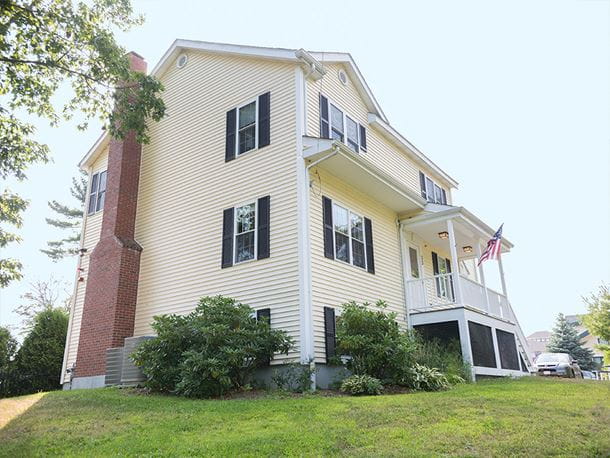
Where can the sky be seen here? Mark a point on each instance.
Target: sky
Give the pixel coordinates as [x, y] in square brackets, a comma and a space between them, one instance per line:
[512, 99]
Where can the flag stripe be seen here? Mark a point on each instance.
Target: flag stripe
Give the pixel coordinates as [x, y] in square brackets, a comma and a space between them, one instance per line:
[494, 247]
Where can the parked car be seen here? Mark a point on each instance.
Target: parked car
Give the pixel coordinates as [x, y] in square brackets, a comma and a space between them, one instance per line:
[557, 364]
[589, 375]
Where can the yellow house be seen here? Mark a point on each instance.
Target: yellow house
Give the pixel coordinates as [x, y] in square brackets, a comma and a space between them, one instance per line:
[277, 179]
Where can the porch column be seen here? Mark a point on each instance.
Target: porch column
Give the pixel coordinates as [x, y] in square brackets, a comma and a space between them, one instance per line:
[502, 276]
[482, 274]
[455, 261]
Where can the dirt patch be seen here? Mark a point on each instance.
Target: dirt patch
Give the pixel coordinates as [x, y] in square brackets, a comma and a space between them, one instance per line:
[13, 407]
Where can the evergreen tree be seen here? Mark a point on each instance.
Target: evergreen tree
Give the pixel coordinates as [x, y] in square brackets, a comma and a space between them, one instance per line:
[8, 348]
[565, 340]
[69, 219]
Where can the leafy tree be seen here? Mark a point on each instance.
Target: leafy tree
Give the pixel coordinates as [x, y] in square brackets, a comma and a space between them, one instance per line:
[48, 44]
[43, 295]
[37, 365]
[564, 339]
[69, 219]
[597, 320]
[211, 351]
[8, 348]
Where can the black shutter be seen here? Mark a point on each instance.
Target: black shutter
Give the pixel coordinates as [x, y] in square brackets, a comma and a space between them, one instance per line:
[324, 122]
[263, 227]
[264, 314]
[227, 238]
[329, 332]
[230, 135]
[362, 137]
[444, 197]
[327, 217]
[450, 279]
[368, 235]
[437, 280]
[422, 184]
[264, 119]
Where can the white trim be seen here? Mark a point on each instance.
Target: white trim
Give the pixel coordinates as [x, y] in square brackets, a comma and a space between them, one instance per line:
[99, 144]
[410, 149]
[255, 230]
[237, 129]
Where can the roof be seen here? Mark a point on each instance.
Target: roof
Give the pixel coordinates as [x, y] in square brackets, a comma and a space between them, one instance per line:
[314, 61]
[539, 335]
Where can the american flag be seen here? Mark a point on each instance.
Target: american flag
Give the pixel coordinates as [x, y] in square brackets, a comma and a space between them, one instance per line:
[494, 246]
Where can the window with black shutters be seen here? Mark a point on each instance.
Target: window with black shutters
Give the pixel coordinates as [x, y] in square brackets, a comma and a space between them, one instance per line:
[348, 236]
[97, 193]
[246, 232]
[431, 191]
[336, 124]
[248, 127]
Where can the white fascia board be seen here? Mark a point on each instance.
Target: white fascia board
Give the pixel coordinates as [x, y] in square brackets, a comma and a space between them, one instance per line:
[97, 147]
[416, 154]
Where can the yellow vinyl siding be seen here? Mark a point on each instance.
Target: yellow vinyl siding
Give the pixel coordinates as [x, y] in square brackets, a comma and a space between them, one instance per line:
[92, 225]
[380, 151]
[185, 184]
[336, 282]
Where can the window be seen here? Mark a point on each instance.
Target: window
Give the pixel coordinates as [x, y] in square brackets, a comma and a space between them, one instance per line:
[349, 236]
[97, 193]
[337, 125]
[441, 267]
[431, 191]
[245, 232]
[246, 128]
[414, 262]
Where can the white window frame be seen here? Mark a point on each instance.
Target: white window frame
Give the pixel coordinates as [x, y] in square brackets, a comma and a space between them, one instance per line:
[349, 234]
[434, 183]
[255, 100]
[255, 230]
[419, 261]
[345, 116]
[90, 194]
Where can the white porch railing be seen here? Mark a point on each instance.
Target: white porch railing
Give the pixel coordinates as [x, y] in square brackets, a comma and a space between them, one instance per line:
[438, 292]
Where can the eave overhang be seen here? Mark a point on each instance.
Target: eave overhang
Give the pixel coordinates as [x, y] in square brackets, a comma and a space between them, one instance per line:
[340, 161]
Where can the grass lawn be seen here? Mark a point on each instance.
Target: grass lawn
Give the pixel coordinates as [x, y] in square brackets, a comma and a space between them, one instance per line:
[530, 416]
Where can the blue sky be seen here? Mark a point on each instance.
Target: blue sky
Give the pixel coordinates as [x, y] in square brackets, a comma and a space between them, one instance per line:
[510, 98]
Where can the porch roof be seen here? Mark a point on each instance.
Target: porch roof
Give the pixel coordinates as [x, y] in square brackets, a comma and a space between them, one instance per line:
[469, 229]
[339, 160]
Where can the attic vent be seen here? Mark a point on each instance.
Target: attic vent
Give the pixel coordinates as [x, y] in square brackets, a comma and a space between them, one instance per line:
[182, 60]
[343, 77]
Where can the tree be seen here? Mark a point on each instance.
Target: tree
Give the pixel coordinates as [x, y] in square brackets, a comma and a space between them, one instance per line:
[48, 44]
[597, 320]
[37, 365]
[8, 348]
[564, 339]
[43, 295]
[70, 219]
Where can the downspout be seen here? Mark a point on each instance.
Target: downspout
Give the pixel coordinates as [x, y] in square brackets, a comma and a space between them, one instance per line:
[402, 243]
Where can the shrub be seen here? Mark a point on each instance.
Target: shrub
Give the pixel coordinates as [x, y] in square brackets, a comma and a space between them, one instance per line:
[357, 385]
[214, 349]
[294, 377]
[423, 378]
[447, 357]
[373, 343]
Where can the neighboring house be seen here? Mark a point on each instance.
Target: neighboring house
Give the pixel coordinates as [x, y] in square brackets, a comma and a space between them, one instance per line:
[537, 343]
[276, 179]
[587, 339]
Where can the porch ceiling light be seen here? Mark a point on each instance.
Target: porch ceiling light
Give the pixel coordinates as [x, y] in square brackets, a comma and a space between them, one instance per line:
[467, 249]
[443, 235]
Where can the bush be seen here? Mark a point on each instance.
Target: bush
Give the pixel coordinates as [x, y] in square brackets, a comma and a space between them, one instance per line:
[357, 385]
[209, 352]
[294, 377]
[372, 342]
[423, 378]
[447, 357]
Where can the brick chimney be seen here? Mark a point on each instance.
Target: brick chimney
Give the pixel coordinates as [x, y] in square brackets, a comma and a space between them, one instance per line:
[114, 266]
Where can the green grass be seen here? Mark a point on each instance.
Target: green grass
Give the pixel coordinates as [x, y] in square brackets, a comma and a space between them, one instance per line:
[530, 417]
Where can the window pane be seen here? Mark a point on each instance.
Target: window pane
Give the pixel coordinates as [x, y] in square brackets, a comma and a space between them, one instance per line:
[352, 133]
[430, 190]
[357, 227]
[101, 196]
[244, 247]
[247, 139]
[247, 115]
[438, 194]
[102, 185]
[336, 118]
[91, 208]
[94, 181]
[340, 219]
[341, 247]
[414, 262]
[335, 135]
[245, 217]
[358, 253]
